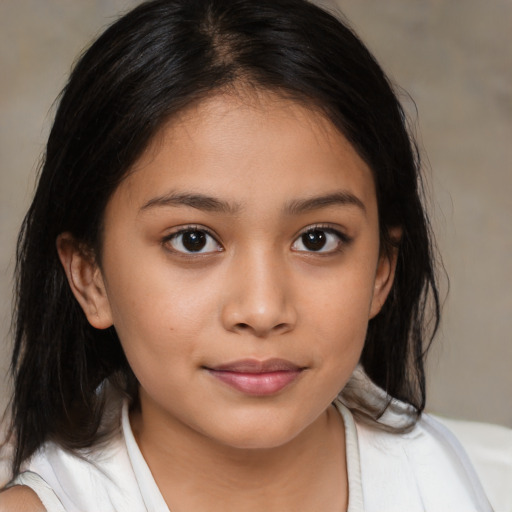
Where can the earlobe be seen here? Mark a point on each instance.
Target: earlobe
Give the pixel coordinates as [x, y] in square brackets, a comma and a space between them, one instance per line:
[385, 274]
[85, 280]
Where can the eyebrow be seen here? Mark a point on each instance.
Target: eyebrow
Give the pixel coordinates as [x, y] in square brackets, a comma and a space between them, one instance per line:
[194, 200]
[212, 204]
[342, 198]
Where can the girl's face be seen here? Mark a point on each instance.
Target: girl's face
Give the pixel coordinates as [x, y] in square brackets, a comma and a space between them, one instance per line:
[240, 267]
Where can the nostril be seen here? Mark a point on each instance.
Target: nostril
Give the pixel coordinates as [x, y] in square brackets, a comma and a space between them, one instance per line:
[243, 327]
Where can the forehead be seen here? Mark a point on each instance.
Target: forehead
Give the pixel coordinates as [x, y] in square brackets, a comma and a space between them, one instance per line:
[249, 148]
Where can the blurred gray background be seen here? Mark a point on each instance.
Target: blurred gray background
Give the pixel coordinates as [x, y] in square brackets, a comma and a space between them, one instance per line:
[453, 58]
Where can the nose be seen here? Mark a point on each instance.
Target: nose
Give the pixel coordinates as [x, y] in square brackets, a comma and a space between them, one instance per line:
[259, 297]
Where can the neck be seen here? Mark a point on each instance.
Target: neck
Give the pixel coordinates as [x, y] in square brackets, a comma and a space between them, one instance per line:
[195, 472]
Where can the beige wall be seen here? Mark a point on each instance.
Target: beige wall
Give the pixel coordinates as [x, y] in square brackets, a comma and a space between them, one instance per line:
[454, 58]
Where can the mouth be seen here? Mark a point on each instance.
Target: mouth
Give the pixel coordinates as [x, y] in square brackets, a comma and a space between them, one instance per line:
[257, 378]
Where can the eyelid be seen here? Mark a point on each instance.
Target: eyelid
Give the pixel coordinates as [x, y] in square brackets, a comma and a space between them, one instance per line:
[345, 239]
[190, 227]
[185, 229]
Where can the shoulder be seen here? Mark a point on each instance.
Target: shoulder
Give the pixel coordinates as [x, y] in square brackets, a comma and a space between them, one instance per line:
[20, 498]
[490, 449]
[99, 479]
[426, 465]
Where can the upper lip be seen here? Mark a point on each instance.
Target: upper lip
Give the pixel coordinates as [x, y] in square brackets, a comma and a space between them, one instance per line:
[256, 366]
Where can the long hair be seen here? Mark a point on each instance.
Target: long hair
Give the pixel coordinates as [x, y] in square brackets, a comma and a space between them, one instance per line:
[155, 61]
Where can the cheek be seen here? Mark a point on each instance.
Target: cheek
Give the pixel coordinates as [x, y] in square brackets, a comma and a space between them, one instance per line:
[342, 295]
[337, 310]
[159, 312]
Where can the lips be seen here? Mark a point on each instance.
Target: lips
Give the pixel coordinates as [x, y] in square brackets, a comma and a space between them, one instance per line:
[258, 378]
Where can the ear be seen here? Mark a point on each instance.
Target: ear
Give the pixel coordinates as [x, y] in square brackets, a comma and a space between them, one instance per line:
[385, 273]
[85, 280]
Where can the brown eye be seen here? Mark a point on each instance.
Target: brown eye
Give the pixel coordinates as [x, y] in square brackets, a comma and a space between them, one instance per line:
[321, 240]
[192, 241]
[314, 240]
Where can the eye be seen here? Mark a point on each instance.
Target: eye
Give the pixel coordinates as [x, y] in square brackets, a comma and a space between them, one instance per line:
[193, 241]
[321, 240]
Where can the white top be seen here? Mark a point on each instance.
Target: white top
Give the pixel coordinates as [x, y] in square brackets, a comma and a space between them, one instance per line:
[423, 470]
[490, 450]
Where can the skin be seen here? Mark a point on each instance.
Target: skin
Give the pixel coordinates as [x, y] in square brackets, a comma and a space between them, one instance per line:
[256, 291]
[20, 498]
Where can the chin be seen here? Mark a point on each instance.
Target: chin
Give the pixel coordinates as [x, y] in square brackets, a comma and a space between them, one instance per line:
[258, 442]
[258, 434]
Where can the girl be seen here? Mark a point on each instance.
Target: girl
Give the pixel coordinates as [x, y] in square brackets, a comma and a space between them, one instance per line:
[223, 279]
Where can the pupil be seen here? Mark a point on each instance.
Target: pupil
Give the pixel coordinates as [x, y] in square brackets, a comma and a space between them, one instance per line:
[314, 240]
[194, 240]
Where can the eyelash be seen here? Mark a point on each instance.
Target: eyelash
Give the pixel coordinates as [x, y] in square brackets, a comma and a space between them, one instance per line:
[167, 241]
[343, 240]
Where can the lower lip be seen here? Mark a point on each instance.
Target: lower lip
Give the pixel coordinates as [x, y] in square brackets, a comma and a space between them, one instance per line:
[257, 384]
